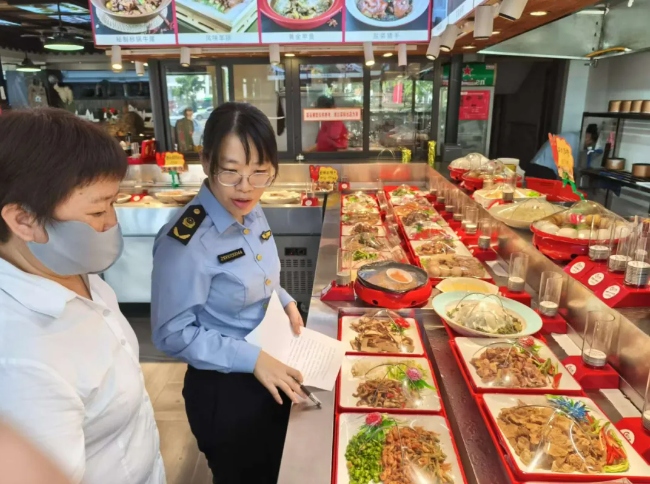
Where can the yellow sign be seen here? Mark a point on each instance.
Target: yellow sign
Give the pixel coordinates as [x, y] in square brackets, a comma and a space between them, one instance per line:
[327, 174]
[174, 159]
[562, 156]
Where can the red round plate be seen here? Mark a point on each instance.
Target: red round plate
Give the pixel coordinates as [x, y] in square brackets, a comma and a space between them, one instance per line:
[296, 24]
[411, 299]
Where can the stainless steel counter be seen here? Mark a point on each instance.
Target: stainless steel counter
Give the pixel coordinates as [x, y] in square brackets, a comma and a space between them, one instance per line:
[309, 449]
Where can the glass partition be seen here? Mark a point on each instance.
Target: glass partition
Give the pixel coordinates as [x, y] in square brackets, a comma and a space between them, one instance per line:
[400, 106]
[331, 105]
[191, 97]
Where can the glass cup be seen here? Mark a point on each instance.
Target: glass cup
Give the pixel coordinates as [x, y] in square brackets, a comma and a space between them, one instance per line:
[646, 406]
[517, 272]
[637, 272]
[619, 247]
[433, 186]
[597, 338]
[471, 220]
[550, 293]
[343, 265]
[459, 209]
[599, 236]
[381, 198]
[442, 195]
[486, 232]
[450, 204]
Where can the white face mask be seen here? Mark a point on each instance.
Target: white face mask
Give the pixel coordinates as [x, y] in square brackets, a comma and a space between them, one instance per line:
[77, 248]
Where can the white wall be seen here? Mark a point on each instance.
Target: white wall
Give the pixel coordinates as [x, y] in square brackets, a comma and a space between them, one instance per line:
[576, 95]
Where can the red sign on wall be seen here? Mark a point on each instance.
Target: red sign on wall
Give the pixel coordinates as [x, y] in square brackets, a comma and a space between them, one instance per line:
[335, 114]
[474, 105]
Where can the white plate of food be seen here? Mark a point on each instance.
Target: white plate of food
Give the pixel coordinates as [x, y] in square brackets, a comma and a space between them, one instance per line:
[355, 218]
[359, 197]
[369, 439]
[571, 436]
[363, 228]
[378, 332]
[515, 364]
[441, 245]
[364, 241]
[453, 265]
[388, 383]
[428, 230]
[468, 284]
[122, 198]
[280, 197]
[360, 207]
[486, 315]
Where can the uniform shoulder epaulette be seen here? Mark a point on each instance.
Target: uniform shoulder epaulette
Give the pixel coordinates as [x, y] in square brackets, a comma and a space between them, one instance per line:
[186, 226]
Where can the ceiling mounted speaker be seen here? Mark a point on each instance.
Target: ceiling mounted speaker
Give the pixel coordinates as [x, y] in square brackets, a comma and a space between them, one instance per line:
[512, 9]
[483, 22]
[448, 38]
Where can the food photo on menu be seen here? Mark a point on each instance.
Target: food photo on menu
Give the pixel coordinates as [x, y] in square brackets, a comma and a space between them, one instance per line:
[301, 21]
[386, 20]
[217, 21]
[133, 22]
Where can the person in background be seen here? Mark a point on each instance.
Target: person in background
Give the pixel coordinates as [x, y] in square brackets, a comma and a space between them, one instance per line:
[332, 135]
[131, 123]
[215, 269]
[70, 377]
[544, 157]
[185, 131]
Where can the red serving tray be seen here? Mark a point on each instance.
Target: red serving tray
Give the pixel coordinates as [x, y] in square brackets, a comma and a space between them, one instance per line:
[342, 312]
[465, 371]
[335, 453]
[509, 461]
[404, 411]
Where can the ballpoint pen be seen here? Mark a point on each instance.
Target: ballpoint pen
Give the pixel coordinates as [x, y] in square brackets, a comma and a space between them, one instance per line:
[310, 395]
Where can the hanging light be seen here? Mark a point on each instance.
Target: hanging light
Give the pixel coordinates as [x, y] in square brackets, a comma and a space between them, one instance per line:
[116, 58]
[512, 9]
[274, 54]
[448, 38]
[402, 58]
[139, 68]
[483, 22]
[185, 56]
[62, 42]
[368, 54]
[27, 66]
[433, 51]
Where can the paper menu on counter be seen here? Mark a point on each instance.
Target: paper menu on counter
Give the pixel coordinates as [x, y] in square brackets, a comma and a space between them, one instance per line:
[316, 356]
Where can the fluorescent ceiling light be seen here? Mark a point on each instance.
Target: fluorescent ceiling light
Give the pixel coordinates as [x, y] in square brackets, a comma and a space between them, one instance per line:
[289, 54]
[539, 13]
[27, 66]
[388, 54]
[63, 43]
[6, 23]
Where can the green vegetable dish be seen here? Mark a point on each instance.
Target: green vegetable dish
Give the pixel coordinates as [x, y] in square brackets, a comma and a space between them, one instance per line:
[358, 255]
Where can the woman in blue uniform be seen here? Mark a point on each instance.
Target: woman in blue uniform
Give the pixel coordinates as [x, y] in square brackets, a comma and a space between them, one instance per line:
[215, 268]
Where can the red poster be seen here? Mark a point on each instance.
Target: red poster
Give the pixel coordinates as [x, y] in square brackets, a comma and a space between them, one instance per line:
[474, 105]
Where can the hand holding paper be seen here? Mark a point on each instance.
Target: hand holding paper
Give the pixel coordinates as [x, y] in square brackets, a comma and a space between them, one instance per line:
[316, 356]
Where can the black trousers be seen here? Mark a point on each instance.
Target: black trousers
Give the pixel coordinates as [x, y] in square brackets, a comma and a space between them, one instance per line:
[238, 425]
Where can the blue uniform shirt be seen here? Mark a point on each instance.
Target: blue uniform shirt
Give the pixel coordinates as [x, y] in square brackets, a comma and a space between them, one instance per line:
[201, 308]
[544, 156]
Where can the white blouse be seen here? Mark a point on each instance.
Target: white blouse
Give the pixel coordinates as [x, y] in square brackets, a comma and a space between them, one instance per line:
[70, 380]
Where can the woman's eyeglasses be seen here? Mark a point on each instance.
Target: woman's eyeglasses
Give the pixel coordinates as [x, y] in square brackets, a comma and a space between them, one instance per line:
[232, 178]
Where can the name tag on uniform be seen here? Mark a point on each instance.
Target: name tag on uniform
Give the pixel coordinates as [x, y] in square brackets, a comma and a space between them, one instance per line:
[266, 235]
[230, 256]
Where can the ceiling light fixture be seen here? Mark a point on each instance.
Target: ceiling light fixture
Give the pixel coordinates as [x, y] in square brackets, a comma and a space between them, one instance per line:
[274, 54]
[388, 54]
[402, 58]
[496, 32]
[469, 47]
[433, 51]
[116, 58]
[289, 54]
[448, 38]
[368, 54]
[539, 13]
[27, 66]
[483, 22]
[61, 41]
[512, 9]
[186, 57]
[139, 68]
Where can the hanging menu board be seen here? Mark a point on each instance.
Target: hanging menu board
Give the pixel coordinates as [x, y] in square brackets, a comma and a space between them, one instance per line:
[290, 22]
[212, 22]
[387, 20]
[152, 23]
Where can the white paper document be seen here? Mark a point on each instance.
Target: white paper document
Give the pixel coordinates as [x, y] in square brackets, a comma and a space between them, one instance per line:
[316, 356]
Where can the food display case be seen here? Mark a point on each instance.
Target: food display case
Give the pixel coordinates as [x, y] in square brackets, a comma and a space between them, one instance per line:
[323, 445]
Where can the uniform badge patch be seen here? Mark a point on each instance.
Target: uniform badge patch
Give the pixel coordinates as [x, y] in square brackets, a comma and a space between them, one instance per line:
[186, 226]
[266, 235]
[232, 255]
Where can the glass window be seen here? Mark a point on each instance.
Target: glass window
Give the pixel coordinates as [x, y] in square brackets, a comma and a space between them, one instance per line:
[400, 106]
[191, 97]
[263, 86]
[332, 87]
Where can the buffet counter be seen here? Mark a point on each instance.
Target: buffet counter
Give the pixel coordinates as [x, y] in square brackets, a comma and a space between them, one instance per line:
[309, 448]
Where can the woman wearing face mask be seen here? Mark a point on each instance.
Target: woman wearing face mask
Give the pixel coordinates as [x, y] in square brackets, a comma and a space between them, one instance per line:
[215, 269]
[70, 378]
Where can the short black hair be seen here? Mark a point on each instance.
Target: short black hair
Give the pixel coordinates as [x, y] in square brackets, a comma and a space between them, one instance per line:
[45, 154]
[592, 129]
[325, 102]
[249, 124]
[186, 110]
